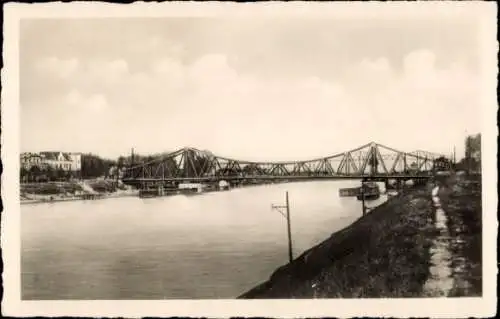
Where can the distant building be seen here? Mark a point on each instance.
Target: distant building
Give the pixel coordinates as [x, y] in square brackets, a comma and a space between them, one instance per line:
[56, 160]
[76, 161]
[28, 160]
[476, 154]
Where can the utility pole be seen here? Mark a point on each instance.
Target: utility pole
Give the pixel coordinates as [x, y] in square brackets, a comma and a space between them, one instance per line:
[362, 190]
[289, 229]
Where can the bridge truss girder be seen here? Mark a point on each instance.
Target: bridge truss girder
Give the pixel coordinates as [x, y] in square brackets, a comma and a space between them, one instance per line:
[368, 160]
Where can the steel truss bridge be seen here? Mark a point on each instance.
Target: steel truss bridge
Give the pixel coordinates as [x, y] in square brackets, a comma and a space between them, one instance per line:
[370, 161]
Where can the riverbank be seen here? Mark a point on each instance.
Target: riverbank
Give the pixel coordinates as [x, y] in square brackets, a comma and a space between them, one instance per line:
[55, 199]
[387, 253]
[51, 192]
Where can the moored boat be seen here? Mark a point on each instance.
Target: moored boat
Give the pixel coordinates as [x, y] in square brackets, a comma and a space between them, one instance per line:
[369, 191]
[191, 191]
[349, 192]
[148, 193]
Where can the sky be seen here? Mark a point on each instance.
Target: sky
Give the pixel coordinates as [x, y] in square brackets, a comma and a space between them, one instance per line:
[254, 89]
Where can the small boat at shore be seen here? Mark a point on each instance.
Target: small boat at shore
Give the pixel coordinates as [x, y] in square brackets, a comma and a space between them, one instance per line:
[349, 192]
[369, 191]
[191, 192]
[148, 193]
[90, 196]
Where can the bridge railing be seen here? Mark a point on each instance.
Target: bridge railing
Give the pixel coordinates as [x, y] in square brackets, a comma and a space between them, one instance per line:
[270, 177]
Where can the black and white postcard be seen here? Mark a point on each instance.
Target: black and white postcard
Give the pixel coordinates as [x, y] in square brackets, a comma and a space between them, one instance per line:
[267, 159]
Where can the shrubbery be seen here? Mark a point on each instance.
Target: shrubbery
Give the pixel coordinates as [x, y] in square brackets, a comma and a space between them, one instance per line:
[50, 188]
[103, 186]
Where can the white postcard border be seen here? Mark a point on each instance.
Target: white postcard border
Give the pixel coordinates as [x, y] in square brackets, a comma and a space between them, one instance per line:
[437, 308]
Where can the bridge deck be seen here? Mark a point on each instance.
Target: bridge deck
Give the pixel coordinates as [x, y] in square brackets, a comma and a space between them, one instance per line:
[241, 178]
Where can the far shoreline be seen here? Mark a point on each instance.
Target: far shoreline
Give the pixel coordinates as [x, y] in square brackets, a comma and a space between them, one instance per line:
[74, 199]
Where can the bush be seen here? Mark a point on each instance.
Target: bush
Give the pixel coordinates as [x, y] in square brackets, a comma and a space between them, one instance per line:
[103, 186]
[50, 188]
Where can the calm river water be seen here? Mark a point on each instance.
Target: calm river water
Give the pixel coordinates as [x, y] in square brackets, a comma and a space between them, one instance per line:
[214, 245]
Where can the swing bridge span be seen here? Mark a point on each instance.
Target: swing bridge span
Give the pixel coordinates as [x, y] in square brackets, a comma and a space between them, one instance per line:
[372, 161]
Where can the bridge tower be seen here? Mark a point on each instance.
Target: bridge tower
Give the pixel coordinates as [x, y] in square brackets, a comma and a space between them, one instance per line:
[188, 165]
[373, 160]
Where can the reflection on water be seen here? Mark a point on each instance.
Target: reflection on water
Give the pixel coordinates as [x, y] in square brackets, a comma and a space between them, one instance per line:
[215, 245]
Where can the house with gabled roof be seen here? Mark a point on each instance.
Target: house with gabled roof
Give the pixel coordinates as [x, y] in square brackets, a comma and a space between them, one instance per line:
[57, 160]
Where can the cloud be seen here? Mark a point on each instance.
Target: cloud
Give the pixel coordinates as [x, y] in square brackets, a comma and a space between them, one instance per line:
[211, 104]
[74, 98]
[62, 68]
[104, 73]
[431, 105]
[84, 104]
[96, 103]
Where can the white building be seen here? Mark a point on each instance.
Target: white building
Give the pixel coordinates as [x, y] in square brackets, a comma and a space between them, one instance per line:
[76, 161]
[56, 160]
[28, 160]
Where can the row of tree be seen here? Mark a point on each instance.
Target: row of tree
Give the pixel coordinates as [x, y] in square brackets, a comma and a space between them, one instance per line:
[94, 166]
[45, 174]
[472, 160]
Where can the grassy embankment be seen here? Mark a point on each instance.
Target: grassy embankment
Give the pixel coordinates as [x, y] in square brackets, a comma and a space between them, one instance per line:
[383, 254]
[59, 188]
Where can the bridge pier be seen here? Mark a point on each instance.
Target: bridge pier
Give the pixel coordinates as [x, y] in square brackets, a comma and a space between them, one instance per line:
[223, 185]
[161, 190]
[401, 185]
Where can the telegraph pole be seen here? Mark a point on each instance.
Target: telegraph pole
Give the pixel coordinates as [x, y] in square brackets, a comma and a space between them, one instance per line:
[290, 253]
[289, 229]
[362, 189]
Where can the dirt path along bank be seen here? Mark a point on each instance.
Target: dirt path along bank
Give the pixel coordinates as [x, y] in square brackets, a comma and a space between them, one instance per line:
[460, 198]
